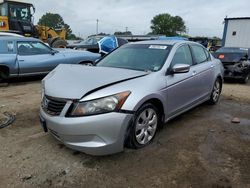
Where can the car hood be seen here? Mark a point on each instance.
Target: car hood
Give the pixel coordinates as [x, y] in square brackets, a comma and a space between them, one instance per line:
[76, 81]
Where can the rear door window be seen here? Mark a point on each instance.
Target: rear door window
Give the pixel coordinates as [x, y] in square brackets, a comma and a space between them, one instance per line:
[6, 47]
[10, 46]
[207, 54]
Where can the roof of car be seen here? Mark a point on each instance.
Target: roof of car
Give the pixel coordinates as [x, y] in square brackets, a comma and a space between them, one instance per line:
[236, 48]
[14, 38]
[166, 42]
[2, 34]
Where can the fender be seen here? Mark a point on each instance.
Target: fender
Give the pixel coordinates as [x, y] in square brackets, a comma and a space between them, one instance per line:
[152, 97]
[10, 61]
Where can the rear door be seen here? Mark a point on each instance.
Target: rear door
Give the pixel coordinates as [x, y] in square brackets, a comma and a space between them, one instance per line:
[36, 58]
[205, 70]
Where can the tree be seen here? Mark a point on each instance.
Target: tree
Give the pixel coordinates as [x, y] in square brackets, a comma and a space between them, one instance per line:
[55, 21]
[168, 25]
[123, 33]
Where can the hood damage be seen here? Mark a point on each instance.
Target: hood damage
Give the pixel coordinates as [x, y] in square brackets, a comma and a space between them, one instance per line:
[77, 81]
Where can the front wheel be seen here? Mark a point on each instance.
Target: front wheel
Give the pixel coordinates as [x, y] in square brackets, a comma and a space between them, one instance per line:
[215, 95]
[144, 127]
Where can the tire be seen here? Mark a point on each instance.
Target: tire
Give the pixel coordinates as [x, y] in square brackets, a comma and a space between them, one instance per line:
[215, 95]
[144, 127]
[246, 79]
[59, 44]
[3, 76]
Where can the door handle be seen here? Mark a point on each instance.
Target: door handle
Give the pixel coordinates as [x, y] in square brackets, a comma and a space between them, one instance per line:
[194, 73]
[20, 60]
[212, 66]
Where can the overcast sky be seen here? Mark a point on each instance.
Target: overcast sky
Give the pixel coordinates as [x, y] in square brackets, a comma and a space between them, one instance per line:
[202, 17]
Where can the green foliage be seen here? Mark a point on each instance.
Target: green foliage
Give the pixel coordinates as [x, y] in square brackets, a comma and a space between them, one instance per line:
[102, 33]
[167, 25]
[185, 35]
[123, 33]
[55, 21]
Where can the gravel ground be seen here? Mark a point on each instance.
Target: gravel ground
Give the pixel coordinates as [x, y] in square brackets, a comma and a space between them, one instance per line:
[200, 148]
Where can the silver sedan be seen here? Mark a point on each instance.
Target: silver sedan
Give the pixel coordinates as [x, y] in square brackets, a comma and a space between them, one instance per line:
[127, 95]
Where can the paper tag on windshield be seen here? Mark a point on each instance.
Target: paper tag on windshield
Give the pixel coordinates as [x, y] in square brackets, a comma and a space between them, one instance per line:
[159, 47]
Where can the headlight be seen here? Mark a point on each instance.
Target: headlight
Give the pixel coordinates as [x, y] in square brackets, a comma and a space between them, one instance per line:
[100, 106]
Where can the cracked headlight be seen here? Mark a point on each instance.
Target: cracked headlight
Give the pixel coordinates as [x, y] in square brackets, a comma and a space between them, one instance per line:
[100, 106]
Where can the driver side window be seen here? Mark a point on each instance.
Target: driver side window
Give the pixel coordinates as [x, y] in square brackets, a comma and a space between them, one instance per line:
[32, 48]
[182, 56]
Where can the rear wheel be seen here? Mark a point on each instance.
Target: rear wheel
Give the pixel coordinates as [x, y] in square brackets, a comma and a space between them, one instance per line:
[215, 95]
[59, 44]
[144, 127]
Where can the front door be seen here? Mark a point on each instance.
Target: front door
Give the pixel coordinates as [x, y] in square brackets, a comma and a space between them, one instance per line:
[36, 58]
[181, 88]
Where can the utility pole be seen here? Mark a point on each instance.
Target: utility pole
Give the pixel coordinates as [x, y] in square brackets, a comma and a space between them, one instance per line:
[97, 21]
[126, 29]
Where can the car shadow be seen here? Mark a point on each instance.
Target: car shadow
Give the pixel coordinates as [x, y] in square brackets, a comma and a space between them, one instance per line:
[22, 80]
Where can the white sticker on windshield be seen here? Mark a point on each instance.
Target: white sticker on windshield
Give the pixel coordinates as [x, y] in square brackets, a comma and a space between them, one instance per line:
[160, 47]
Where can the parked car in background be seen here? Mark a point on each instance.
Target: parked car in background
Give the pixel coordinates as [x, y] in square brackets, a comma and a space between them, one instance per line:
[21, 56]
[236, 62]
[91, 44]
[128, 95]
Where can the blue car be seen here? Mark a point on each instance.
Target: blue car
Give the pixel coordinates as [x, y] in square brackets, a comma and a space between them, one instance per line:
[20, 56]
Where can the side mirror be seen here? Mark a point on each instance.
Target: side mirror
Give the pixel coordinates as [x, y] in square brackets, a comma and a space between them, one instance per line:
[53, 52]
[180, 68]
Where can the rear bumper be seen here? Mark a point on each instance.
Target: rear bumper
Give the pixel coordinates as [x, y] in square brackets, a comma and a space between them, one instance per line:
[96, 135]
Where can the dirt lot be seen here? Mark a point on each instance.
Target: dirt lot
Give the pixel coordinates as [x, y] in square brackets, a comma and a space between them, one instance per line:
[201, 148]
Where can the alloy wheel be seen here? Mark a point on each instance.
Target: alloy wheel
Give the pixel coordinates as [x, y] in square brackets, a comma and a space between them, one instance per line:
[216, 91]
[146, 125]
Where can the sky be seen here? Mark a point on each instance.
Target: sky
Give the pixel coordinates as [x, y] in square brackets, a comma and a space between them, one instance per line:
[202, 17]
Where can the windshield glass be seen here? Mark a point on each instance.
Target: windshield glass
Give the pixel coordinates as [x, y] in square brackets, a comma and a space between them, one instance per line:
[143, 57]
[91, 41]
[20, 12]
[3, 10]
[232, 50]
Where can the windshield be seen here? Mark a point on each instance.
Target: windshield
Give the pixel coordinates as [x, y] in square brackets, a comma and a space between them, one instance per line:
[91, 41]
[143, 57]
[232, 50]
[3, 10]
[20, 12]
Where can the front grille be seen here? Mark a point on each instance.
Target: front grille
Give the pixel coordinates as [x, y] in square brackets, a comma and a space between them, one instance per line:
[53, 106]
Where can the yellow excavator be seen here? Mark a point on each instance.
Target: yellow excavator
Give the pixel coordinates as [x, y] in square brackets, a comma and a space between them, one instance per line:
[17, 17]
